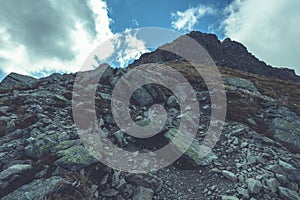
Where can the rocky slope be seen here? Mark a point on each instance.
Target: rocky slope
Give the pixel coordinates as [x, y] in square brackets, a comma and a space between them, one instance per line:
[226, 53]
[256, 157]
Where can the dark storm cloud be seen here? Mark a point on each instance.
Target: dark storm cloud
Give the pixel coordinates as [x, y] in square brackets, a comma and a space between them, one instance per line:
[44, 26]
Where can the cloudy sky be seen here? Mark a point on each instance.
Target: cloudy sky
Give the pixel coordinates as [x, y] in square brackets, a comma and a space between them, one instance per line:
[41, 37]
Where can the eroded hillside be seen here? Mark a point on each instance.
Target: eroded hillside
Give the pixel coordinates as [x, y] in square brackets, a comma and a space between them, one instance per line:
[43, 157]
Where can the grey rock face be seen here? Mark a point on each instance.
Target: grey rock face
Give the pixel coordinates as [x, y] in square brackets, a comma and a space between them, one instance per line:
[243, 192]
[240, 83]
[148, 95]
[4, 109]
[75, 158]
[145, 180]
[39, 146]
[286, 127]
[17, 80]
[142, 193]
[287, 131]
[288, 194]
[172, 101]
[244, 163]
[229, 175]
[15, 169]
[227, 53]
[142, 96]
[226, 197]
[109, 193]
[254, 186]
[37, 189]
[272, 184]
[292, 173]
[192, 154]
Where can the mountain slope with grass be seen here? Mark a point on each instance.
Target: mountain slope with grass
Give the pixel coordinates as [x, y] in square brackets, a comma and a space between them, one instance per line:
[42, 155]
[226, 53]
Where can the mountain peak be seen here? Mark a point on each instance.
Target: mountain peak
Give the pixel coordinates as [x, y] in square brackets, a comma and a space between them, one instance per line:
[60, 138]
[226, 53]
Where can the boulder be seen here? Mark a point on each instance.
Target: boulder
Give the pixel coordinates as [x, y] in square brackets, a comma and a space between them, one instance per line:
[288, 194]
[109, 192]
[226, 197]
[38, 189]
[240, 83]
[254, 186]
[74, 158]
[13, 170]
[17, 81]
[39, 146]
[145, 180]
[172, 101]
[192, 154]
[272, 184]
[292, 173]
[229, 175]
[148, 95]
[287, 132]
[142, 193]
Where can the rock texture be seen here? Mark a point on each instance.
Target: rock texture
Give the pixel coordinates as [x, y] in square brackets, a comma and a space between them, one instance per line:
[226, 53]
[256, 156]
[14, 80]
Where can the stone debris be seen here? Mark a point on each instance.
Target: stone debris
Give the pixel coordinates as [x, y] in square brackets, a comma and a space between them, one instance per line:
[43, 155]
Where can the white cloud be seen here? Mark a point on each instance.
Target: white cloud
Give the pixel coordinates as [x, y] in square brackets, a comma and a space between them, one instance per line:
[270, 29]
[186, 20]
[133, 50]
[135, 23]
[123, 47]
[54, 35]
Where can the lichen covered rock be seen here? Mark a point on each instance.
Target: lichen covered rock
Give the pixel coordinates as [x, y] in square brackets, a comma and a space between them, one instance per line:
[75, 158]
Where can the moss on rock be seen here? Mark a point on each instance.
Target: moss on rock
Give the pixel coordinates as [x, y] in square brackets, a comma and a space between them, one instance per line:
[75, 158]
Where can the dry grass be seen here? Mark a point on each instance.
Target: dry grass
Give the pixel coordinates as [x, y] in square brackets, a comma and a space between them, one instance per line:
[242, 106]
[286, 93]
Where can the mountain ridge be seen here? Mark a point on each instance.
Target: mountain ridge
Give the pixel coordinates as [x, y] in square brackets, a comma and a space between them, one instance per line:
[226, 53]
[43, 154]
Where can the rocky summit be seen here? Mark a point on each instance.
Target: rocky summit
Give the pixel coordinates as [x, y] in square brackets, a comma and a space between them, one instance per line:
[226, 53]
[43, 156]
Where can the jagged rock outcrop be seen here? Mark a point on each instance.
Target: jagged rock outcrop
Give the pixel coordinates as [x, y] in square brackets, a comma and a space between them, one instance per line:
[38, 189]
[14, 80]
[42, 155]
[226, 53]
